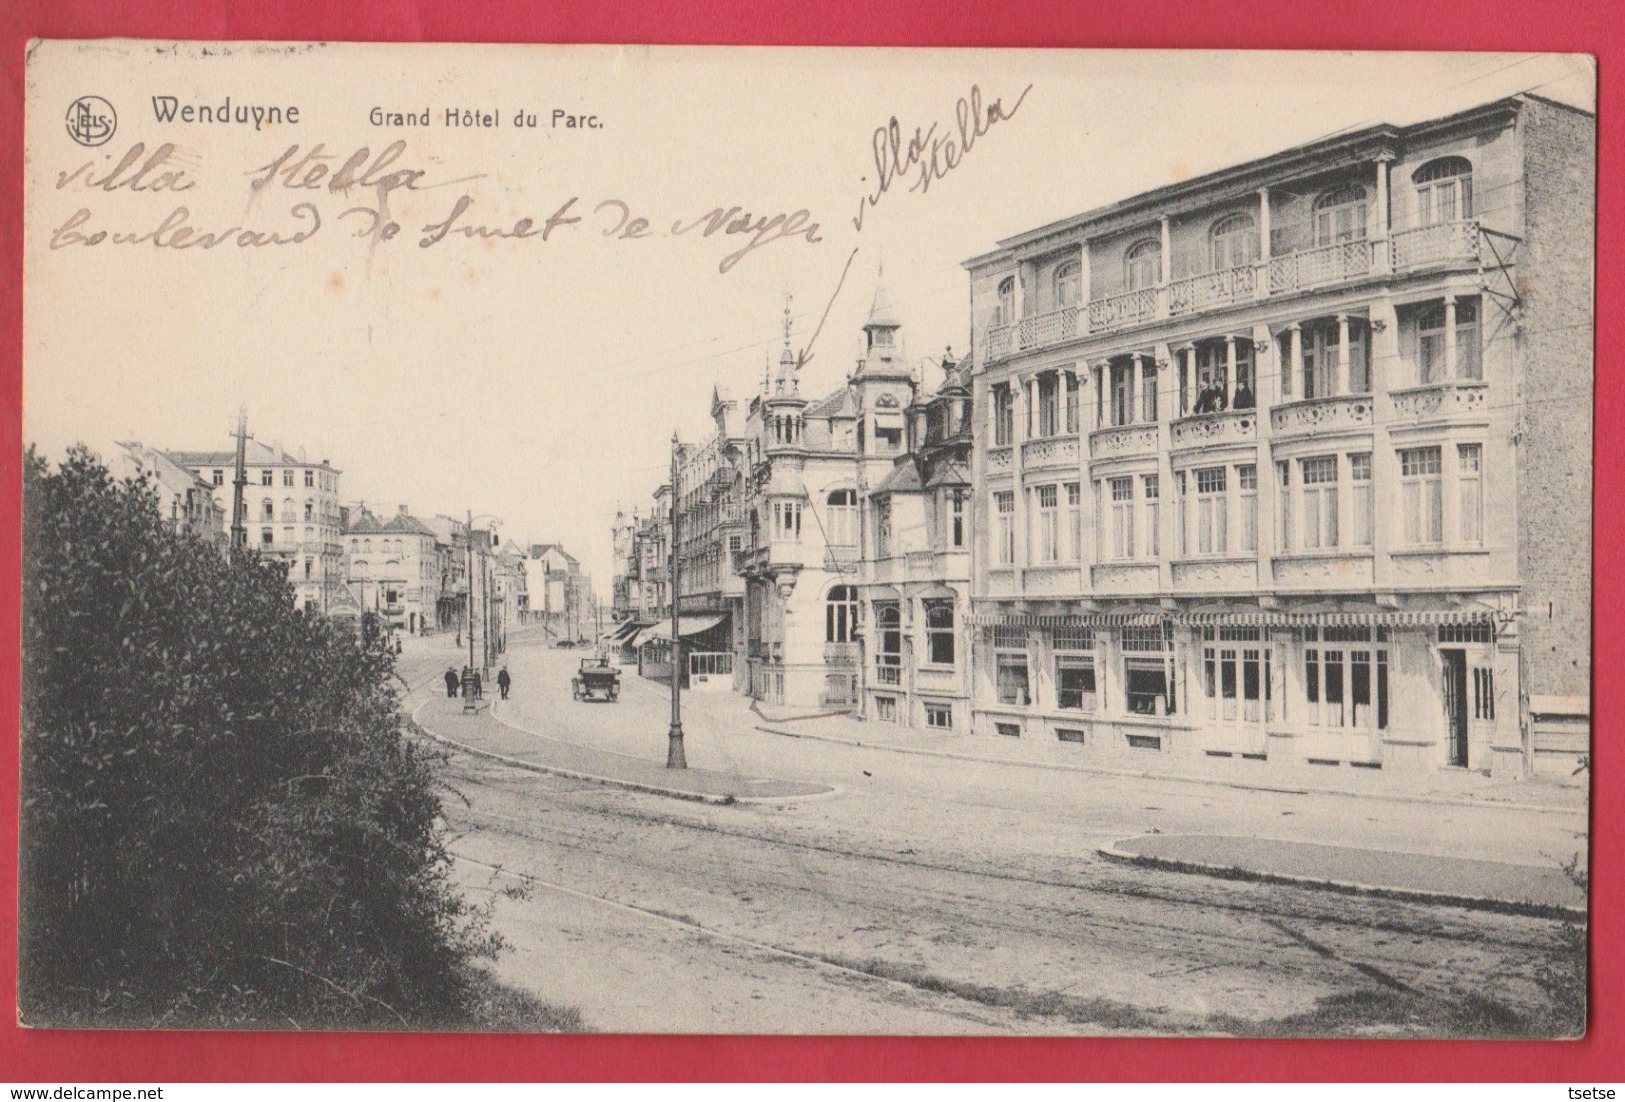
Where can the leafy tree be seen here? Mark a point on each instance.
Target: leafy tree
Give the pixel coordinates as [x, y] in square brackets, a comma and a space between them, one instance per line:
[224, 821]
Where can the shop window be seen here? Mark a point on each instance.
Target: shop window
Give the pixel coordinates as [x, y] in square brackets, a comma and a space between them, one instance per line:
[1236, 676]
[1011, 679]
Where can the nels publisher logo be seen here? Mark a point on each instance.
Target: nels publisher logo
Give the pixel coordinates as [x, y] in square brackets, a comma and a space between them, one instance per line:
[91, 120]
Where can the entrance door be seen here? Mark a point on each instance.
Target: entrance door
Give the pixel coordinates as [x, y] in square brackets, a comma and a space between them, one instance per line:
[1455, 705]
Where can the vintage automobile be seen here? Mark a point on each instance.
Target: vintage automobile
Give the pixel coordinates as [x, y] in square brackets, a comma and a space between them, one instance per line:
[596, 680]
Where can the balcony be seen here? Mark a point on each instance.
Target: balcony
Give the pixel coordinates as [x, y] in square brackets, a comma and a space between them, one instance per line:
[1237, 426]
[1315, 415]
[1443, 245]
[842, 655]
[1225, 287]
[999, 459]
[841, 559]
[1037, 331]
[1439, 401]
[1121, 441]
[1121, 311]
[1320, 267]
[888, 675]
[1050, 451]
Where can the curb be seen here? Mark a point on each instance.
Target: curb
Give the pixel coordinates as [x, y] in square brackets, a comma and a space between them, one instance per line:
[1345, 887]
[1057, 767]
[571, 774]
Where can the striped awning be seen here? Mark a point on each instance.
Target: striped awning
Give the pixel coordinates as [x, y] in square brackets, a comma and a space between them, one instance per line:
[1067, 620]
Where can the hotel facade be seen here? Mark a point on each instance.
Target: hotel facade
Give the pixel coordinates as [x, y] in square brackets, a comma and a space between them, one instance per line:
[1291, 462]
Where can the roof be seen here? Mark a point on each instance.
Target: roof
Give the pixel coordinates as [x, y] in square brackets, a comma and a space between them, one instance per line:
[1255, 172]
[904, 478]
[539, 550]
[880, 311]
[838, 404]
[255, 454]
[165, 467]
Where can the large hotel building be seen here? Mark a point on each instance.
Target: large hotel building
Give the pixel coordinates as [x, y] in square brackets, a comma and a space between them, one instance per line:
[1292, 461]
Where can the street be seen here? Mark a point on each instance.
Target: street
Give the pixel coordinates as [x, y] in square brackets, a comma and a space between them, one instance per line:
[926, 895]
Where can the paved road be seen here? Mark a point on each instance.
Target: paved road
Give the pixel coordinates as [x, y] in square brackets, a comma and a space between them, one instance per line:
[948, 897]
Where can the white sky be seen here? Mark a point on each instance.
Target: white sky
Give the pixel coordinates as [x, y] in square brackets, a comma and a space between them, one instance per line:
[541, 382]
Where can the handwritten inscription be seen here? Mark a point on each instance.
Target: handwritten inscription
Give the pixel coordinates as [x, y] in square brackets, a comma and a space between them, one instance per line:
[927, 155]
[313, 172]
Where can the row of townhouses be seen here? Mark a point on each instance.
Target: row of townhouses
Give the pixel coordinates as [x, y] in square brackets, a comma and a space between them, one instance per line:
[412, 576]
[1288, 462]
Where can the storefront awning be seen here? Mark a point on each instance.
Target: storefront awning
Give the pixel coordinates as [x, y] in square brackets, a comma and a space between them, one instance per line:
[626, 631]
[686, 627]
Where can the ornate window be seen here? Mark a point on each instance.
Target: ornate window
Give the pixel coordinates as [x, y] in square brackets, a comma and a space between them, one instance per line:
[1233, 242]
[841, 614]
[1142, 265]
[1069, 284]
[1444, 191]
[1340, 215]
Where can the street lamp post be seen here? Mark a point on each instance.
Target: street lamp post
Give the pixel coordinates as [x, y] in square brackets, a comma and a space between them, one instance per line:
[469, 704]
[675, 758]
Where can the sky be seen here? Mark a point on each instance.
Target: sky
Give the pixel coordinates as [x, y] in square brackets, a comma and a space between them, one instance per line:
[539, 381]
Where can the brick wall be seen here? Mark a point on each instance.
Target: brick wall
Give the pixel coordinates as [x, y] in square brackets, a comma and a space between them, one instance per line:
[1554, 270]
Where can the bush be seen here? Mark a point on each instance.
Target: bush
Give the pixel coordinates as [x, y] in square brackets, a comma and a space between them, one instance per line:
[223, 820]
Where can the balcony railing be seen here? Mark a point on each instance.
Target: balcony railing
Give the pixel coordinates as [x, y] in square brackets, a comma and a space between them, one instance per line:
[1312, 415]
[1319, 267]
[1122, 440]
[1122, 311]
[1211, 289]
[1444, 243]
[888, 675]
[1202, 429]
[841, 654]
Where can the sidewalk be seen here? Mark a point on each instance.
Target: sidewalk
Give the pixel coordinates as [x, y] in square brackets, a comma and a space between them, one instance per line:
[1493, 885]
[1441, 786]
[487, 736]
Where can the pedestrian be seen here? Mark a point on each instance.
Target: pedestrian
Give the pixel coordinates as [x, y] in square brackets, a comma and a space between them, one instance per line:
[479, 686]
[1204, 395]
[504, 681]
[451, 683]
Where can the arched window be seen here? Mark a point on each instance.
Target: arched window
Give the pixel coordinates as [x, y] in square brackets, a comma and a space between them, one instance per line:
[1007, 302]
[366, 545]
[1234, 241]
[1340, 215]
[843, 518]
[1069, 284]
[1142, 265]
[1444, 191]
[310, 510]
[939, 632]
[358, 569]
[841, 614]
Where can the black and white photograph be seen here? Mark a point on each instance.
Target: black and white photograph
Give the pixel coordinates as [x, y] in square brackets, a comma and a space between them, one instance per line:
[806, 541]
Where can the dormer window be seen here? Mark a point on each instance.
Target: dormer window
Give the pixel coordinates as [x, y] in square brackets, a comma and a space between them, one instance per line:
[1444, 191]
[882, 338]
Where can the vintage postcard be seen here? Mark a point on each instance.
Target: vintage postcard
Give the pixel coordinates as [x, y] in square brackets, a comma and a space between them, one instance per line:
[821, 541]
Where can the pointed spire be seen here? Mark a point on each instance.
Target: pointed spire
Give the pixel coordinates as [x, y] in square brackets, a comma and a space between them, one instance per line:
[881, 315]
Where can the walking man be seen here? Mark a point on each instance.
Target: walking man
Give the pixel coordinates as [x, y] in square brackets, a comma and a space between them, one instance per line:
[451, 683]
[504, 681]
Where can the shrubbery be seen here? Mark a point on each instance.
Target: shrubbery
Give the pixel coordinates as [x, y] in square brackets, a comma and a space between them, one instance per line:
[223, 820]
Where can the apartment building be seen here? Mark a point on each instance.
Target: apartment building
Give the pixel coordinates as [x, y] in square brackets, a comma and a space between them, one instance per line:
[1291, 462]
[291, 512]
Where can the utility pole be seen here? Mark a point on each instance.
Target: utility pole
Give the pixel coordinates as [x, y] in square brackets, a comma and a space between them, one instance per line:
[675, 759]
[239, 483]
